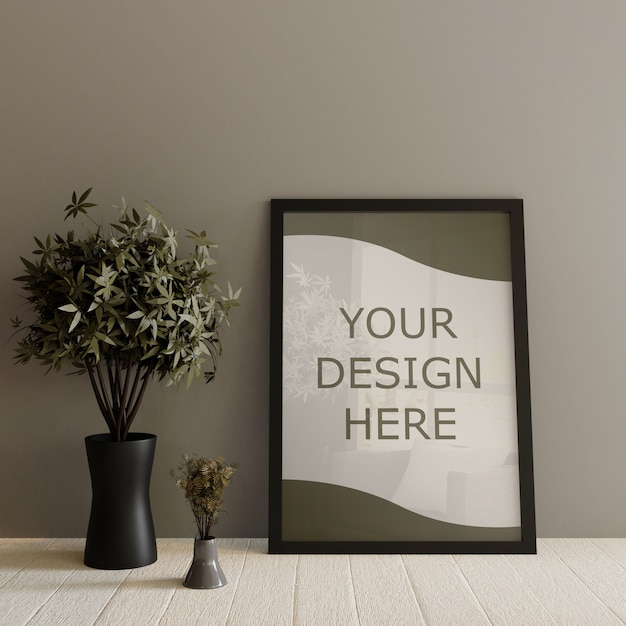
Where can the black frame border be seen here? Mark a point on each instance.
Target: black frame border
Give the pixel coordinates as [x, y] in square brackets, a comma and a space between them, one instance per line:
[514, 208]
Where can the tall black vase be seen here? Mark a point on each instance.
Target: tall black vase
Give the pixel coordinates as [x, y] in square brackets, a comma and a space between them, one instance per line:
[121, 531]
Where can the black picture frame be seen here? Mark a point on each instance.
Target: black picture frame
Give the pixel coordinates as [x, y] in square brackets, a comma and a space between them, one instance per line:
[477, 497]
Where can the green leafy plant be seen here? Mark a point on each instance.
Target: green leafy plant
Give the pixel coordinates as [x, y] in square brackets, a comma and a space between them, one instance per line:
[121, 305]
[203, 481]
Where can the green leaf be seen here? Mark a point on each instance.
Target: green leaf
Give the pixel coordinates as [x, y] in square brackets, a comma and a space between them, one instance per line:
[83, 197]
[31, 267]
[104, 338]
[150, 210]
[151, 353]
[75, 321]
[143, 325]
[94, 347]
[235, 295]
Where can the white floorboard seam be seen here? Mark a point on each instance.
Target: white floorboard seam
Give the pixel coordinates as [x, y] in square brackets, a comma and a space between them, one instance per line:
[296, 587]
[34, 615]
[469, 586]
[104, 606]
[164, 611]
[23, 567]
[243, 567]
[530, 590]
[618, 562]
[611, 556]
[356, 604]
[412, 587]
[584, 582]
[17, 573]
[43, 606]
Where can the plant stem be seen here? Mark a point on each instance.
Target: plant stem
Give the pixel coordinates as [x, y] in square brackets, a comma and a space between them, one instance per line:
[203, 523]
[133, 411]
[98, 393]
[112, 385]
[122, 415]
[118, 379]
[103, 390]
[133, 391]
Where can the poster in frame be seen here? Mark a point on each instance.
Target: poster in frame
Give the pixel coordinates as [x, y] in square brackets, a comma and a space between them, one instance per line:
[400, 416]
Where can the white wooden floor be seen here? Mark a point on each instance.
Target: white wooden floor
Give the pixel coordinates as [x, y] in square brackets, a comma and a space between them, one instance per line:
[569, 582]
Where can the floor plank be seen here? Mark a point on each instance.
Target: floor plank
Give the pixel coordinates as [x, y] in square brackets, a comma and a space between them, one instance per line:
[567, 599]
[16, 554]
[599, 571]
[265, 591]
[83, 594]
[442, 591]
[614, 548]
[324, 593]
[25, 593]
[145, 593]
[383, 592]
[502, 592]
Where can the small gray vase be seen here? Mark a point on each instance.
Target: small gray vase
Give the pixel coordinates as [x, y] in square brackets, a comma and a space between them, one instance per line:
[205, 571]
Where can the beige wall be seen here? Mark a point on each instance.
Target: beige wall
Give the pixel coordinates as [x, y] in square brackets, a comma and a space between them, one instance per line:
[210, 108]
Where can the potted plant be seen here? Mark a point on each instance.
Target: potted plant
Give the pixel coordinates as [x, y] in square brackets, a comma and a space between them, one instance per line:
[203, 481]
[120, 304]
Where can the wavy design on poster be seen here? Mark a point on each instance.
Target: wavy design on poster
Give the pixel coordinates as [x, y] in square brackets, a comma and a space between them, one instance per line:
[476, 244]
[315, 511]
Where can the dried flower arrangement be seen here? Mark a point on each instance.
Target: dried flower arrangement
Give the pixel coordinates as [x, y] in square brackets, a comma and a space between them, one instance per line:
[203, 481]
